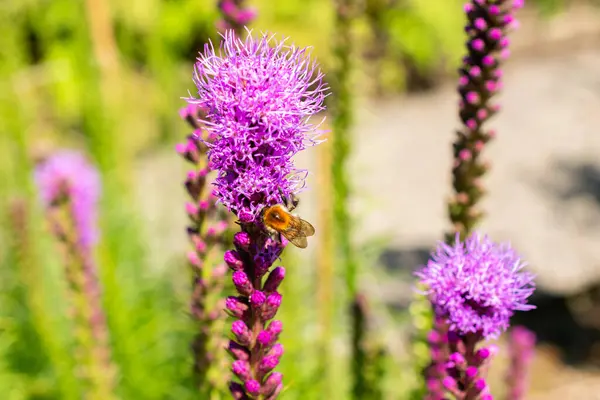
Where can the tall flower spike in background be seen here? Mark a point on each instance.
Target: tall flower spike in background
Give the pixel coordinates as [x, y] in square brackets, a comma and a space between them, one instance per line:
[474, 287]
[521, 342]
[258, 101]
[236, 15]
[480, 80]
[208, 225]
[69, 188]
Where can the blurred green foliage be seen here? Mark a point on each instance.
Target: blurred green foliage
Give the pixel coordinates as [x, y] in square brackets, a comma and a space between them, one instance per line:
[112, 87]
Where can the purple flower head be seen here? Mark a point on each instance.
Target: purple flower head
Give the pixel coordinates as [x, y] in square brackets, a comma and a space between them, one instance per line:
[477, 285]
[68, 175]
[259, 99]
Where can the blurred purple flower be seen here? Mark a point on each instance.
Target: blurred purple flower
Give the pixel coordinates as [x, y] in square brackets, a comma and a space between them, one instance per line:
[68, 175]
[69, 188]
[235, 15]
[477, 285]
[522, 349]
[258, 100]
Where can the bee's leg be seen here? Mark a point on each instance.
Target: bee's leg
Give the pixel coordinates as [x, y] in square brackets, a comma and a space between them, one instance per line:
[293, 200]
[290, 202]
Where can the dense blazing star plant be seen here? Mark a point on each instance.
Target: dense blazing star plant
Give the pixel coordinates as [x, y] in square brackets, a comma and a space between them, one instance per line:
[474, 287]
[69, 188]
[489, 22]
[206, 231]
[258, 95]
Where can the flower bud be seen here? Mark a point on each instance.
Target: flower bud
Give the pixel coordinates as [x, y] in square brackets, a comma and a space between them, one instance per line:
[272, 383]
[236, 306]
[241, 332]
[233, 260]
[268, 363]
[241, 240]
[257, 299]
[253, 387]
[275, 278]
[241, 369]
[264, 338]
[238, 351]
[271, 306]
[242, 283]
[237, 391]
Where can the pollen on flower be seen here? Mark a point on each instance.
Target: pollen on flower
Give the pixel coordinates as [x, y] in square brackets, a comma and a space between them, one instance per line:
[477, 285]
[259, 95]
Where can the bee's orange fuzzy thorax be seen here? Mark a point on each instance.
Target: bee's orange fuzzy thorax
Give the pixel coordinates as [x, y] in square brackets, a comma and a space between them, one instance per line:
[276, 218]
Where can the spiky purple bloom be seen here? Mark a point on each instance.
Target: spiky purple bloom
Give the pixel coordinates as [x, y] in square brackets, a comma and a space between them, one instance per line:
[258, 100]
[522, 350]
[69, 187]
[236, 15]
[480, 79]
[477, 285]
[474, 288]
[68, 175]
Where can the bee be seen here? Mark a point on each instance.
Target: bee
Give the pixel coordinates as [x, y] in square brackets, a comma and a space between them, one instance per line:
[278, 219]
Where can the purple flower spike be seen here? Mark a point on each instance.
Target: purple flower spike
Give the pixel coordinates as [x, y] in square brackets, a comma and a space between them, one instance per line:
[474, 288]
[479, 81]
[522, 350]
[258, 95]
[69, 187]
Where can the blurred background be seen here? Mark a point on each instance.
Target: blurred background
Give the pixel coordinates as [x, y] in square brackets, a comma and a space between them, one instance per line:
[107, 77]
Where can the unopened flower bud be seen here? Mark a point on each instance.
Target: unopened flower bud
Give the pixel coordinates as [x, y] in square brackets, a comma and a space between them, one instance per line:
[233, 260]
[242, 283]
[236, 306]
[238, 351]
[241, 369]
[271, 306]
[275, 278]
[272, 383]
[241, 332]
[253, 387]
[241, 240]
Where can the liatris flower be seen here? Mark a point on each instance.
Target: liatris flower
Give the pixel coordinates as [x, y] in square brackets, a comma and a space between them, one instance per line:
[235, 15]
[208, 224]
[69, 188]
[522, 349]
[258, 101]
[480, 79]
[474, 287]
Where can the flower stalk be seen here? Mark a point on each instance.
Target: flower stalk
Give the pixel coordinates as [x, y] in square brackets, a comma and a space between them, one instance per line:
[258, 99]
[69, 188]
[206, 231]
[480, 79]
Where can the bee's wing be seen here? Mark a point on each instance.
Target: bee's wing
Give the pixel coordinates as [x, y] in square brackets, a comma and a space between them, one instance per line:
[297, 231]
